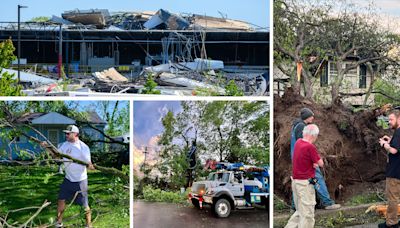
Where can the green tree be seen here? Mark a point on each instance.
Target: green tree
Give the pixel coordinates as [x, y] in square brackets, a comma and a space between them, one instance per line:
[386, 92]
[40, 19]
[233, 131]
[232, 89]
[8, 85]
[307, 32]
[233, 128]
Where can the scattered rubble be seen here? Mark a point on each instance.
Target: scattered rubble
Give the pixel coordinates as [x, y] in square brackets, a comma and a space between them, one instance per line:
[169, 20]
[95, 17]
[162, 19]
[188, 83]
[199, 21]
[197, 65]
[29, 79]
[110, 76]
[180, 70]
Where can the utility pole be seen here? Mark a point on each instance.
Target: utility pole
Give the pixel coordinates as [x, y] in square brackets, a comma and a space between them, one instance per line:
[60, 52]
[145, 157]
[19, 41]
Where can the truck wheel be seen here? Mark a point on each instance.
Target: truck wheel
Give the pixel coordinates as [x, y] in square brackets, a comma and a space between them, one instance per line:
[195, 203]
[222, 208]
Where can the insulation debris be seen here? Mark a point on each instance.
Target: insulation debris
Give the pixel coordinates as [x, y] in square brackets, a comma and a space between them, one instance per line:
[197, 65]
[170, 20]
[110, 75]
[162, 19]
[97, 17]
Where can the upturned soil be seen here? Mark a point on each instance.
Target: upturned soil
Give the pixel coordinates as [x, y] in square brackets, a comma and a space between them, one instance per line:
[348, 143]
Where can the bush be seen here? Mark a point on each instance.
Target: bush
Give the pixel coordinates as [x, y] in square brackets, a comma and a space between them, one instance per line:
[158, 195]
[150, 85]
[232, 89]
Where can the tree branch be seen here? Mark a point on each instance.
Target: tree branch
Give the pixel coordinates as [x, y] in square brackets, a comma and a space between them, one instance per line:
[102, 133]
[375, 92]
[54, 151]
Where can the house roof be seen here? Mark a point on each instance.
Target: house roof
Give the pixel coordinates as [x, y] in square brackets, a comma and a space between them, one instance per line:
[56, 118]
[28, 117]
[53, 118]
[94, 118]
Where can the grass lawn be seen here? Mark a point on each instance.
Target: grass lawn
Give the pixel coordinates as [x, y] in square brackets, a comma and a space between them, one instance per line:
[22, 187]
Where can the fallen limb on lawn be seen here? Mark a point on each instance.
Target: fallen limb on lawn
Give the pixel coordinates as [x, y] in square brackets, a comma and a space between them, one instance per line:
[381, 209]
[3, 221]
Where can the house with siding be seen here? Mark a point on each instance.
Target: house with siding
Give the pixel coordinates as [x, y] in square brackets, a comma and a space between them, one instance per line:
[51, 126]
[355, 81]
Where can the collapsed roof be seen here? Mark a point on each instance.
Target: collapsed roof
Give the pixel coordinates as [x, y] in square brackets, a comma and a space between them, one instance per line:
[146, 20]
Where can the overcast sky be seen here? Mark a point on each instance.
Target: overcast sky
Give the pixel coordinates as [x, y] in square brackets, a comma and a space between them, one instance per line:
[147, 117]
[391, 7]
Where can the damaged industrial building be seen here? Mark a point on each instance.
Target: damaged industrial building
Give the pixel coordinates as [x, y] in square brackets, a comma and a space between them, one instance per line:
[101, 52]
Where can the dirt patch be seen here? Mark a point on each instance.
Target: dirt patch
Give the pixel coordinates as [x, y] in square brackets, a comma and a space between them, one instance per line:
[348, 142]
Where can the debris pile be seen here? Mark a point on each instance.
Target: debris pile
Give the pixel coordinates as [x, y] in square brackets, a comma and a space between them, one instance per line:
[110, 76]
[162, 19]
[130, 20]
[180, 67]
[96, 17]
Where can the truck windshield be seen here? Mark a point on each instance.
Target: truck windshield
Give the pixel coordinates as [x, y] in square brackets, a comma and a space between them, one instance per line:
[222, 177]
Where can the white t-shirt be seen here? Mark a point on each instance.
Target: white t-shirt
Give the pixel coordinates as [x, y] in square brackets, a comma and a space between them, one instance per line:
[78, 150]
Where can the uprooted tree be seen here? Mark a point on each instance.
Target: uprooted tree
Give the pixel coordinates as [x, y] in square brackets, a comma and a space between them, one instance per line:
[309, 33]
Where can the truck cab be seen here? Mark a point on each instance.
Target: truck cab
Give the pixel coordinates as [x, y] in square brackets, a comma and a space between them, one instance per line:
[225, 190]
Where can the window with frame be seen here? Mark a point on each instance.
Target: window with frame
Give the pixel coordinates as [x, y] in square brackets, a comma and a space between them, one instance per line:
[53, 136]
[323, 78]
[363, 77]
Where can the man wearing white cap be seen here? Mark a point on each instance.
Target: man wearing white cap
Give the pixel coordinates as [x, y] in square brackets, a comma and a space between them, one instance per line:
[75, 181]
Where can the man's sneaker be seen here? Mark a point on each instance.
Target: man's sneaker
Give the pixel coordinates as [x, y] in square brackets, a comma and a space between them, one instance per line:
[59, 225]
[333, 207]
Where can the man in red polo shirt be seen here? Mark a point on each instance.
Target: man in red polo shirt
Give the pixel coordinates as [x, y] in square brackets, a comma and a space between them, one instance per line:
[305, 160]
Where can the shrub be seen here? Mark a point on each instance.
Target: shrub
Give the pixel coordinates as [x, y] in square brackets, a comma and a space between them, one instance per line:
[158, 195]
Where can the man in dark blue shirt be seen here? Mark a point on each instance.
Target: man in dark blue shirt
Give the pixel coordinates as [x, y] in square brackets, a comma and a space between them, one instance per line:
[392, 146]
[307, 117]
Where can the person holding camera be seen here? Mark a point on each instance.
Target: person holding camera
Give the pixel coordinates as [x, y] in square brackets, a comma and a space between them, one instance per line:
[305, 160]
[392, 146]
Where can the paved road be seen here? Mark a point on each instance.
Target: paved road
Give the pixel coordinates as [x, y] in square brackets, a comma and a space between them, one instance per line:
[164, 215]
